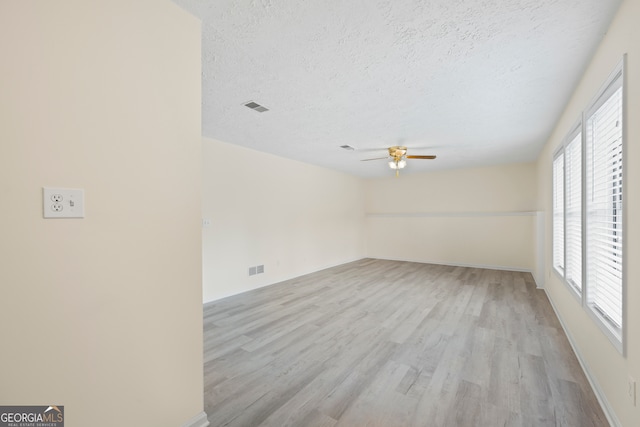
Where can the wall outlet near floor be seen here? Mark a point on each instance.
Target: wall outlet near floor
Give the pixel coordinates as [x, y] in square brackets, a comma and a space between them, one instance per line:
[631, 391]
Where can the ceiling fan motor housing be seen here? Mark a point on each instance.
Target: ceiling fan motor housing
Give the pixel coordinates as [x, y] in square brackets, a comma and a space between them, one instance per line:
[397, 152]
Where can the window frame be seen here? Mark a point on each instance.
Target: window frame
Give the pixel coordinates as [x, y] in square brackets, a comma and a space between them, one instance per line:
[617, 336]
[559, 269]
[575, 130]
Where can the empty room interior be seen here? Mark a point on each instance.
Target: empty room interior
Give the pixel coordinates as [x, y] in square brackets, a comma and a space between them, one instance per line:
[262, 213]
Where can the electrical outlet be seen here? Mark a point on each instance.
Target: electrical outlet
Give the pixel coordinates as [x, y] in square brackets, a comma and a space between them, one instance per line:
[206, 222]
[63, 202]
[631, 390]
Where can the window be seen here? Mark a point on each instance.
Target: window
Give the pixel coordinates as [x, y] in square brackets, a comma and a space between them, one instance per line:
[573, 212]
[604, 198]
[567, 210]
[558, 213]
[588, 233]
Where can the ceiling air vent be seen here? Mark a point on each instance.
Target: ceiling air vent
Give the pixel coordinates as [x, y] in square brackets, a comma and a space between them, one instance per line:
[256, 107]
[347, 147]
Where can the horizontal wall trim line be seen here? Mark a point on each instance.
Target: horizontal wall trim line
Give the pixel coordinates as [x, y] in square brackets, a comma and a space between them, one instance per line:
[448, 214]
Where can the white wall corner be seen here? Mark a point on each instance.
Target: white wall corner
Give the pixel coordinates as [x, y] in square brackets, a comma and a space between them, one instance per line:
[199, 420]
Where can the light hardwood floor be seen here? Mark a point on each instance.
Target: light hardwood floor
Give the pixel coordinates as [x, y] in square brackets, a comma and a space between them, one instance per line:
[390, 344]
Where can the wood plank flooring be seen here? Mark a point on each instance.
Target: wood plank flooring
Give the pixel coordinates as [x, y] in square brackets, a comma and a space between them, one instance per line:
[393, 344]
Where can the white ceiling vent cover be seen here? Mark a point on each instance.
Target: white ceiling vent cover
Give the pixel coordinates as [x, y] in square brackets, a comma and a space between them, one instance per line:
[256, 107]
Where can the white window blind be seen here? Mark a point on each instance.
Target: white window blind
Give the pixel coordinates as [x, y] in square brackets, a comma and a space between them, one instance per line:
[604, 198]
[558, 213]
[573, 212]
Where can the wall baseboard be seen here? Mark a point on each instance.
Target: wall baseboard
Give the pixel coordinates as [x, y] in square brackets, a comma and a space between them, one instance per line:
[447, 214]
[485, 266]
[199, 420]
[282, 279]
[602, 399]
[539, 282]
[488, 267]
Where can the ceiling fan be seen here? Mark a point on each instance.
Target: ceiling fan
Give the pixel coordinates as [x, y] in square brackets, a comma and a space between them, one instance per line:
[398, 158]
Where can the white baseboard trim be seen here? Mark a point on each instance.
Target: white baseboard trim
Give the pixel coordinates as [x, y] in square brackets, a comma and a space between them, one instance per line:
[315, 270]
[539, 281]
[447, 214]
[484, 266]
[602, 399]
[199, 420]
[280, 280]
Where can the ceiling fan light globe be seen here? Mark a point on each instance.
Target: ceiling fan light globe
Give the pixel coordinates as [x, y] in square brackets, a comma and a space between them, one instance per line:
[402, 164]
[393, 165]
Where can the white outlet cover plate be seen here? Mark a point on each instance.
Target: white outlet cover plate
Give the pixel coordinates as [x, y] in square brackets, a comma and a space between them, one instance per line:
[62, 202]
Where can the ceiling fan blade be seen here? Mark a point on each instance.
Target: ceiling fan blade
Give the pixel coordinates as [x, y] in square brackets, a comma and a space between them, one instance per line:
[377, 158]
[421, 157]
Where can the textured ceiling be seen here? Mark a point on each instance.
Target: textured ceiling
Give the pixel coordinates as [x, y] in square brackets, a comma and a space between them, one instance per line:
[476, 82]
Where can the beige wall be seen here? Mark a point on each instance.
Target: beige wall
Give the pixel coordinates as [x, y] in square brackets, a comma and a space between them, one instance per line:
[101, 314]
[479, 217]
[291, 217]
[609, 369]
